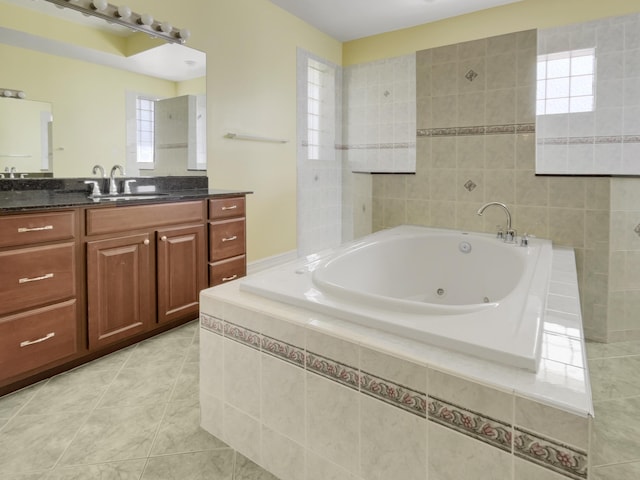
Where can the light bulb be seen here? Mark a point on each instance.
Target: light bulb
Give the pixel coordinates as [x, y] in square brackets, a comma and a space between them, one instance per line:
[124, 11]
[166, 27]
[100, 5]
[21, 94]
[7, 93]
[146, 19]
[184, 34]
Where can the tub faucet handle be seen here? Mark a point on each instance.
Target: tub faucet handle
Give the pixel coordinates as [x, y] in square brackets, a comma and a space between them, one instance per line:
[524, 241]
[510, 236]
[499, 232]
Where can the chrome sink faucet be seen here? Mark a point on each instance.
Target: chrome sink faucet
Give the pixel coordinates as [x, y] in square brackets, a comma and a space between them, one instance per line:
[510, 236]
[113, 186]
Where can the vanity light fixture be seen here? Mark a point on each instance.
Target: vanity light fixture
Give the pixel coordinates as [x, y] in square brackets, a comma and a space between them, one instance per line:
[10, 93]
[122, 15]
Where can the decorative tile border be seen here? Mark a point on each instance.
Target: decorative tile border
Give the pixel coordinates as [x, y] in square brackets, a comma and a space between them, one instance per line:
[242, 335]
[595, 140]
[284, 351]
[468, 422]
[333, 370]
[550, 454]
[560, 458]
[394, 394]
[212, 324]
[377, 146]
[477, 130]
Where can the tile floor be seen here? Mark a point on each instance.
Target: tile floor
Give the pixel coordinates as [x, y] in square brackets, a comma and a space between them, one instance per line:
[615, 383]
[134, 415]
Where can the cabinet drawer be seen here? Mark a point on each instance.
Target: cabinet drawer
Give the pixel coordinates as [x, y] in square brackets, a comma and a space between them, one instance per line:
[227, 270]
[125, 219]
[18, 230]
[226, 239]
[36, 275]
[35, 338]
[226, 207]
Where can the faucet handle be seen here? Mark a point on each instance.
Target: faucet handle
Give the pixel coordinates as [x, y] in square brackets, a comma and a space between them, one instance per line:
[499, 233]
[510, 236]
[127, 186]
[95, 191]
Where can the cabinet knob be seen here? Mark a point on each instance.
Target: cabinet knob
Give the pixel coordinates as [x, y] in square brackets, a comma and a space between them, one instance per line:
[163, 238]
[146, 241]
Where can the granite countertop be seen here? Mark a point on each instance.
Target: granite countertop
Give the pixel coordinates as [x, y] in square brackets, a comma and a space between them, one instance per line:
[73, 193]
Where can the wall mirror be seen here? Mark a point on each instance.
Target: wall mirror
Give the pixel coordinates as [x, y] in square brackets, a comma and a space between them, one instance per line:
[588, 98]
[102, 83]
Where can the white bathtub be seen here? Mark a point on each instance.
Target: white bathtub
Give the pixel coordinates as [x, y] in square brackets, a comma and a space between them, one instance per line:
[467, 292]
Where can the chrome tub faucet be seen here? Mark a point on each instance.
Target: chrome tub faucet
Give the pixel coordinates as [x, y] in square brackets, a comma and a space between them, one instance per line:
[510, 234]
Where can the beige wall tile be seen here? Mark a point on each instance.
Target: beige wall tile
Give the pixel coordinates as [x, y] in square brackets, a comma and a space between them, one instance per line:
[242, 377]
[470, 151]
[476, 194]
[242, 432]
[552, 422]
[318, 468]
[212, 362]
[566, 226]
[500, 184]
[282, 456]
[395, 212]
[442, 184]
[472, 49]
[501, 107]
[472, 396]
[282, 397]
[443, 152]
[331, 347]
[396, 369]
[394, 443]
[567, 192]
[501, 68]
[418, 212]
[332, 422]
[453, 456]
[525, 470]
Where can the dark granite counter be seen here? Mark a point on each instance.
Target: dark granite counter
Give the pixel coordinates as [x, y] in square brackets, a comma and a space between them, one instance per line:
[37, 194]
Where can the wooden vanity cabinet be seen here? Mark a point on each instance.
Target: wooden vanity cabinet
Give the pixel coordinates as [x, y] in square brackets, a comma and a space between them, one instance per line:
[181, 271]
[38, 291]
[119, 288]
[146, 265]
[227, 239]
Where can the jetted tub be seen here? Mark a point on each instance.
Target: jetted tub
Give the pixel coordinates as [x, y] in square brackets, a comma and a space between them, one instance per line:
[467, 292]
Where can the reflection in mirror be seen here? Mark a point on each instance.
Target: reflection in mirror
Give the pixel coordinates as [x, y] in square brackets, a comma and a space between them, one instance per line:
[588, 101]
[25, 146]
[90, 81]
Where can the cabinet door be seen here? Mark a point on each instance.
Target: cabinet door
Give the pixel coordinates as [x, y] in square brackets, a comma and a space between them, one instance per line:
[182, 271]
[119, 288]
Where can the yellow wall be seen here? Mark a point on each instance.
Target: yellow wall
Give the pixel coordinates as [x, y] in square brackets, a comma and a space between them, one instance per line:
[251, 88]
[515, 17]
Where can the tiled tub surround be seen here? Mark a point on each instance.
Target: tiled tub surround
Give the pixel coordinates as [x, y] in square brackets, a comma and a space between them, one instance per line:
[380, 115]
[475, 146]
[312, 397]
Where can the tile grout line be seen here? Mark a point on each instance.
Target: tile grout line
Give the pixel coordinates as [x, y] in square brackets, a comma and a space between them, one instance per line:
[166, 407]
[89, 413]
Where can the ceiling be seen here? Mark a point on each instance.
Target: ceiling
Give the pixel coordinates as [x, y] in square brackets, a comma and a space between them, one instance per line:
[347, 20]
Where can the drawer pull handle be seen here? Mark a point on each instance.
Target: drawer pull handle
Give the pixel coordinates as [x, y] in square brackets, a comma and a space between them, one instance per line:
[228, 279]
[231, 207]
[26, 343]
[146, 241]
[35, 279]
[163, 238]
[230, 239]
[35, 229]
